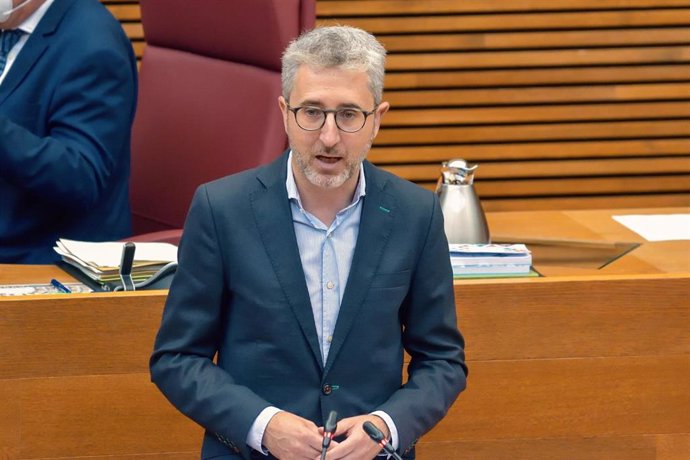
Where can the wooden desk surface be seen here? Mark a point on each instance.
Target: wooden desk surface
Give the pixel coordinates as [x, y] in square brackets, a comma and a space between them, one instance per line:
[596, 226]
[32, 274]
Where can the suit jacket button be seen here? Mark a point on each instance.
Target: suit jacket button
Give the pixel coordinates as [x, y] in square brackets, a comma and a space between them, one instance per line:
[327, 389]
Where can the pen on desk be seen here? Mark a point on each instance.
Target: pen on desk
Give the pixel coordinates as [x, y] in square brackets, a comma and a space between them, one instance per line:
[60, 287]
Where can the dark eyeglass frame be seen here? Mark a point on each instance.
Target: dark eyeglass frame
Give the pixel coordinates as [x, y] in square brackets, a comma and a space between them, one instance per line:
[325, 112]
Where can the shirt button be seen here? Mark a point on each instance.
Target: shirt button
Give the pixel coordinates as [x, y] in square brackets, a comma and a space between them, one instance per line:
[330, 285]
[327, 389]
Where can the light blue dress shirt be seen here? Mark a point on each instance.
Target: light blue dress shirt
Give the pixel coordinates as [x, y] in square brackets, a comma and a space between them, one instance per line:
[326, 254]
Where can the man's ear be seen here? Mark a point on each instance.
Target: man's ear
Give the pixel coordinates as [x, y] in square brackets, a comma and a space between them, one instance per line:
[378, 115]
[282, 104]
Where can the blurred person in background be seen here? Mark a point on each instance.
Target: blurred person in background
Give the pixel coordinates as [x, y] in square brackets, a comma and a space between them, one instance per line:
[68, 88]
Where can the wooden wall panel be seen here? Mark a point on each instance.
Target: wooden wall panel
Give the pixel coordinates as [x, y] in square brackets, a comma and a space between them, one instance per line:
[421, 7]
[539, 77]
[504, 84]
[588, 202]
[519, 87]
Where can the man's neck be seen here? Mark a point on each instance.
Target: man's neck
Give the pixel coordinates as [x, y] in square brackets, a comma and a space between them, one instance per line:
[324, 203]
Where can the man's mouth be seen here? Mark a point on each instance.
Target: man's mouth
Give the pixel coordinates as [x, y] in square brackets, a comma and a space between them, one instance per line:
[328, 159]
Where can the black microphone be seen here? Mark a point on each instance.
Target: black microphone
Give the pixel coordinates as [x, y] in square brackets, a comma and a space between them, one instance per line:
[328, 432]
[378, 437]
[126, 266]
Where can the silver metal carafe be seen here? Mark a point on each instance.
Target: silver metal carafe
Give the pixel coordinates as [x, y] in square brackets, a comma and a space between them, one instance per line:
[464, 217]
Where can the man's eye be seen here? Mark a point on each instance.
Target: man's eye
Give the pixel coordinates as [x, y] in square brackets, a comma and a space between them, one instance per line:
[347, 114]
[312, 112]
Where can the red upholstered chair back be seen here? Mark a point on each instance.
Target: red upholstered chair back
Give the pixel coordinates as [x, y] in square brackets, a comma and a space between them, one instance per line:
[208, 89]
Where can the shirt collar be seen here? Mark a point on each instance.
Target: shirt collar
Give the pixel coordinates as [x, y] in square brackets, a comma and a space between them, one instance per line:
[30, 23]
[293, 193]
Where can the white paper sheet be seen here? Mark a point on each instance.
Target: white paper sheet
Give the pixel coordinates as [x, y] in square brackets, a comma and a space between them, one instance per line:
[658, 227]
[109, 254]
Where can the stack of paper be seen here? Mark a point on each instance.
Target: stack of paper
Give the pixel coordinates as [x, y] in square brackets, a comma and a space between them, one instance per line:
[101, 261]
[490, 259]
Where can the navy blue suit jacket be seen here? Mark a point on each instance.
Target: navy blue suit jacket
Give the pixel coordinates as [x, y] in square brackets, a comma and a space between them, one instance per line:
[66, 109]
[240, 292]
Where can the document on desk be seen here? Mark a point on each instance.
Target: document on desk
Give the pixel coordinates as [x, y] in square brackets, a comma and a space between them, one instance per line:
[658, 227]
[108, 254]
[100, 261]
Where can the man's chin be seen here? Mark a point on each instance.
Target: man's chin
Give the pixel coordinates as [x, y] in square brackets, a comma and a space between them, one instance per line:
[327, 181]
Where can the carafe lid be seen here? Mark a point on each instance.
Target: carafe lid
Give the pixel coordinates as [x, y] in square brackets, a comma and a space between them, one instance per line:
[457, 172]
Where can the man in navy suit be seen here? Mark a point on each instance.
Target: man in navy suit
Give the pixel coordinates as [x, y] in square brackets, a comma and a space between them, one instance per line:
[67, 101]
[302, 283]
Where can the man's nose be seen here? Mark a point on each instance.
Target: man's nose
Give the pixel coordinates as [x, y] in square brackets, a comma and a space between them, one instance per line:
[330, 134]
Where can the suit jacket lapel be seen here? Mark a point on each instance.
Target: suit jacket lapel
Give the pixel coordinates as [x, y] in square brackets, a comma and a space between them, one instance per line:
[35, 47]
[274, 220]
[375, 227]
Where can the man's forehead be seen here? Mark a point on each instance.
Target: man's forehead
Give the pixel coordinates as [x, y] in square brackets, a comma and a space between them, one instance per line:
[324, 85]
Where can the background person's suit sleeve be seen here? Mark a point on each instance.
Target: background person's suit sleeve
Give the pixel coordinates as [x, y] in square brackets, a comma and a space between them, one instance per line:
[68, 145]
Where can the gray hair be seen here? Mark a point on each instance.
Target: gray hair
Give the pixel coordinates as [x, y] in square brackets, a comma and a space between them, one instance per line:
[336, 46]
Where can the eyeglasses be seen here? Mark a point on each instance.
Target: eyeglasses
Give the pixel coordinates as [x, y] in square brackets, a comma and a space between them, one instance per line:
[349, 120]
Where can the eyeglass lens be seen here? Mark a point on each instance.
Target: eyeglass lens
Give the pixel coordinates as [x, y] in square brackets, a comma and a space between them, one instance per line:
[313, 118]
